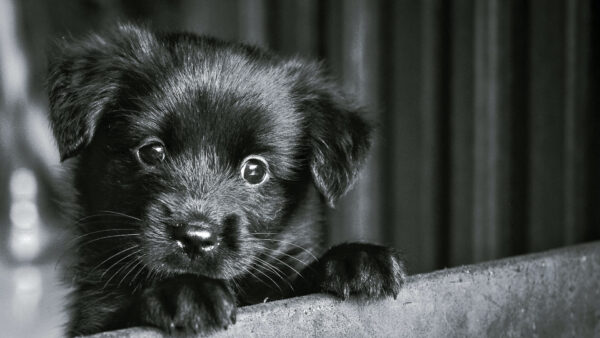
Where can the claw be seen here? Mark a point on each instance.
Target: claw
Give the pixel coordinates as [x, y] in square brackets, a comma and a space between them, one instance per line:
[395, 292]
[346, 292]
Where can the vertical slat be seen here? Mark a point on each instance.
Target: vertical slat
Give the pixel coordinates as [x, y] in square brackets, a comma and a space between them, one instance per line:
[518, 58]
[253, 22]
[577, 41]
[491, 205]
[404, 130]
[297, 22]
[416, 132]
[547, 133]
[593, 144]
[433, 115]
[358, 215]
[462, 134]
[212, 17]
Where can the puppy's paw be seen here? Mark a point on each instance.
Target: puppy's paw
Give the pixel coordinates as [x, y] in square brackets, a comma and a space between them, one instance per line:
[364, 270]
[186, 305]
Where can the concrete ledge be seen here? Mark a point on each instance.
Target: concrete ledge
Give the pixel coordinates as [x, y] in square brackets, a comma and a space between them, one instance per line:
[550, 294]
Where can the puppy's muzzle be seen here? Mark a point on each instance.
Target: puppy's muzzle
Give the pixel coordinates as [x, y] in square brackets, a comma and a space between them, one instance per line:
[196, 237]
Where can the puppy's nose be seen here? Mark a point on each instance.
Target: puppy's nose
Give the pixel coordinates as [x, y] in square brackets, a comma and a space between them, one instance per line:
[195, 238]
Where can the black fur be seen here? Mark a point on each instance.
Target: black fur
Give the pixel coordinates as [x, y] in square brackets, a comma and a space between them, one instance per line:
[211, 104]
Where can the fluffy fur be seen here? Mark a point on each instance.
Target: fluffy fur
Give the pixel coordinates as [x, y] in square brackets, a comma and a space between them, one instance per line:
[211, 104]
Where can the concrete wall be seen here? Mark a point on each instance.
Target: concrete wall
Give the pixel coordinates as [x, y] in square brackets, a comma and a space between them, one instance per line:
[555, 293]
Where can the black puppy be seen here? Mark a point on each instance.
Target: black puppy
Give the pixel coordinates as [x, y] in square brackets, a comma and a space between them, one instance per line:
[202, 169]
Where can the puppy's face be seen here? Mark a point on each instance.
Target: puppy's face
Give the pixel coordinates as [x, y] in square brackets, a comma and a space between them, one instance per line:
[207, 147]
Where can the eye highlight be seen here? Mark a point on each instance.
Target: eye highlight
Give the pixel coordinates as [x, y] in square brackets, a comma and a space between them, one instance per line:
[255, 170]
[151, 153]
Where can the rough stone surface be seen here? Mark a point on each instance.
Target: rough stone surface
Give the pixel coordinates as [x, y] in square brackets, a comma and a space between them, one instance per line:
[551, 294]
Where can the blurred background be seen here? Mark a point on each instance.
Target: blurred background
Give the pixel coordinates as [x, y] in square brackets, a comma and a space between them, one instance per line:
[488, 142]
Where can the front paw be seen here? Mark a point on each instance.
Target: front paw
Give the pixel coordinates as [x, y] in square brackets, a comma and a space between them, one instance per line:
[189, 305]
[367, 270]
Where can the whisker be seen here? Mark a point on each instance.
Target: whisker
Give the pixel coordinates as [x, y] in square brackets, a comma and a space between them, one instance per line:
[258, 266]
[269, 278]
[117, 262]
[125, 266]
[272, 254]
[271, 268]
[105, 213]
[292, 244]
[109, 258]
[248, 270]
[111, 212]
[144, 266]
[277, 259]
[108, 237]
[128, 272]
[96, 232]
[278, 251]
[73, 242]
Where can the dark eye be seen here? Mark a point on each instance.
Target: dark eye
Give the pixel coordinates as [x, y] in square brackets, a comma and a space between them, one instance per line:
[255, 170]
[152, 153]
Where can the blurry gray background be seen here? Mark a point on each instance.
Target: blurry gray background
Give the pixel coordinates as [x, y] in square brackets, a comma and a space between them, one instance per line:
[489, 135]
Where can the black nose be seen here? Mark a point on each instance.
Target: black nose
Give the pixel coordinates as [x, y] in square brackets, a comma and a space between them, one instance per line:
[195, 238]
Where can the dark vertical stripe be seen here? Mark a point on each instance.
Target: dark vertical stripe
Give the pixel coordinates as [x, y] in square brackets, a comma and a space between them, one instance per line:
[298, 27]
[387, 128]
[444, 140]
[576, 86]
[322, 20]
[519, 92]
[214, 17]
[333, 35]
[406, 137]
[593, 149]
[547, 133]
[253, 24]
[420, 135]
[461, 134]
[430, 150]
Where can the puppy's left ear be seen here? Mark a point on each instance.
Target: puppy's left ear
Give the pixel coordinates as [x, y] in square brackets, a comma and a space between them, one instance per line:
[340, 138]
[84, 77]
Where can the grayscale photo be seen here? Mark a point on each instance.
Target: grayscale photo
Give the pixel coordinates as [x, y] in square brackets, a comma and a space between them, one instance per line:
[299, 168]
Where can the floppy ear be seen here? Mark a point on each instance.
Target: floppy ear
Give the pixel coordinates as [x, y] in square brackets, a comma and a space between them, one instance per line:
[84, 77]
[339, 137]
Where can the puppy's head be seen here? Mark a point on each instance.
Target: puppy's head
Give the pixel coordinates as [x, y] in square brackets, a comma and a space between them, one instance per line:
[204, 145]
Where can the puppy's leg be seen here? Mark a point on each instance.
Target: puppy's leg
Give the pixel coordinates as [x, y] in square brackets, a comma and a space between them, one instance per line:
[358, 269]
[188, 304]
[95, 309]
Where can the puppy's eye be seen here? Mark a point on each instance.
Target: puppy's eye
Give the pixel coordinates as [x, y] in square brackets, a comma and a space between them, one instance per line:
[151, 153]
[255, 170]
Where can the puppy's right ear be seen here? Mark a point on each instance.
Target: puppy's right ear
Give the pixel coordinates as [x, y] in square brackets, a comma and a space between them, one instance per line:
[339, 136]
[84, 77]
